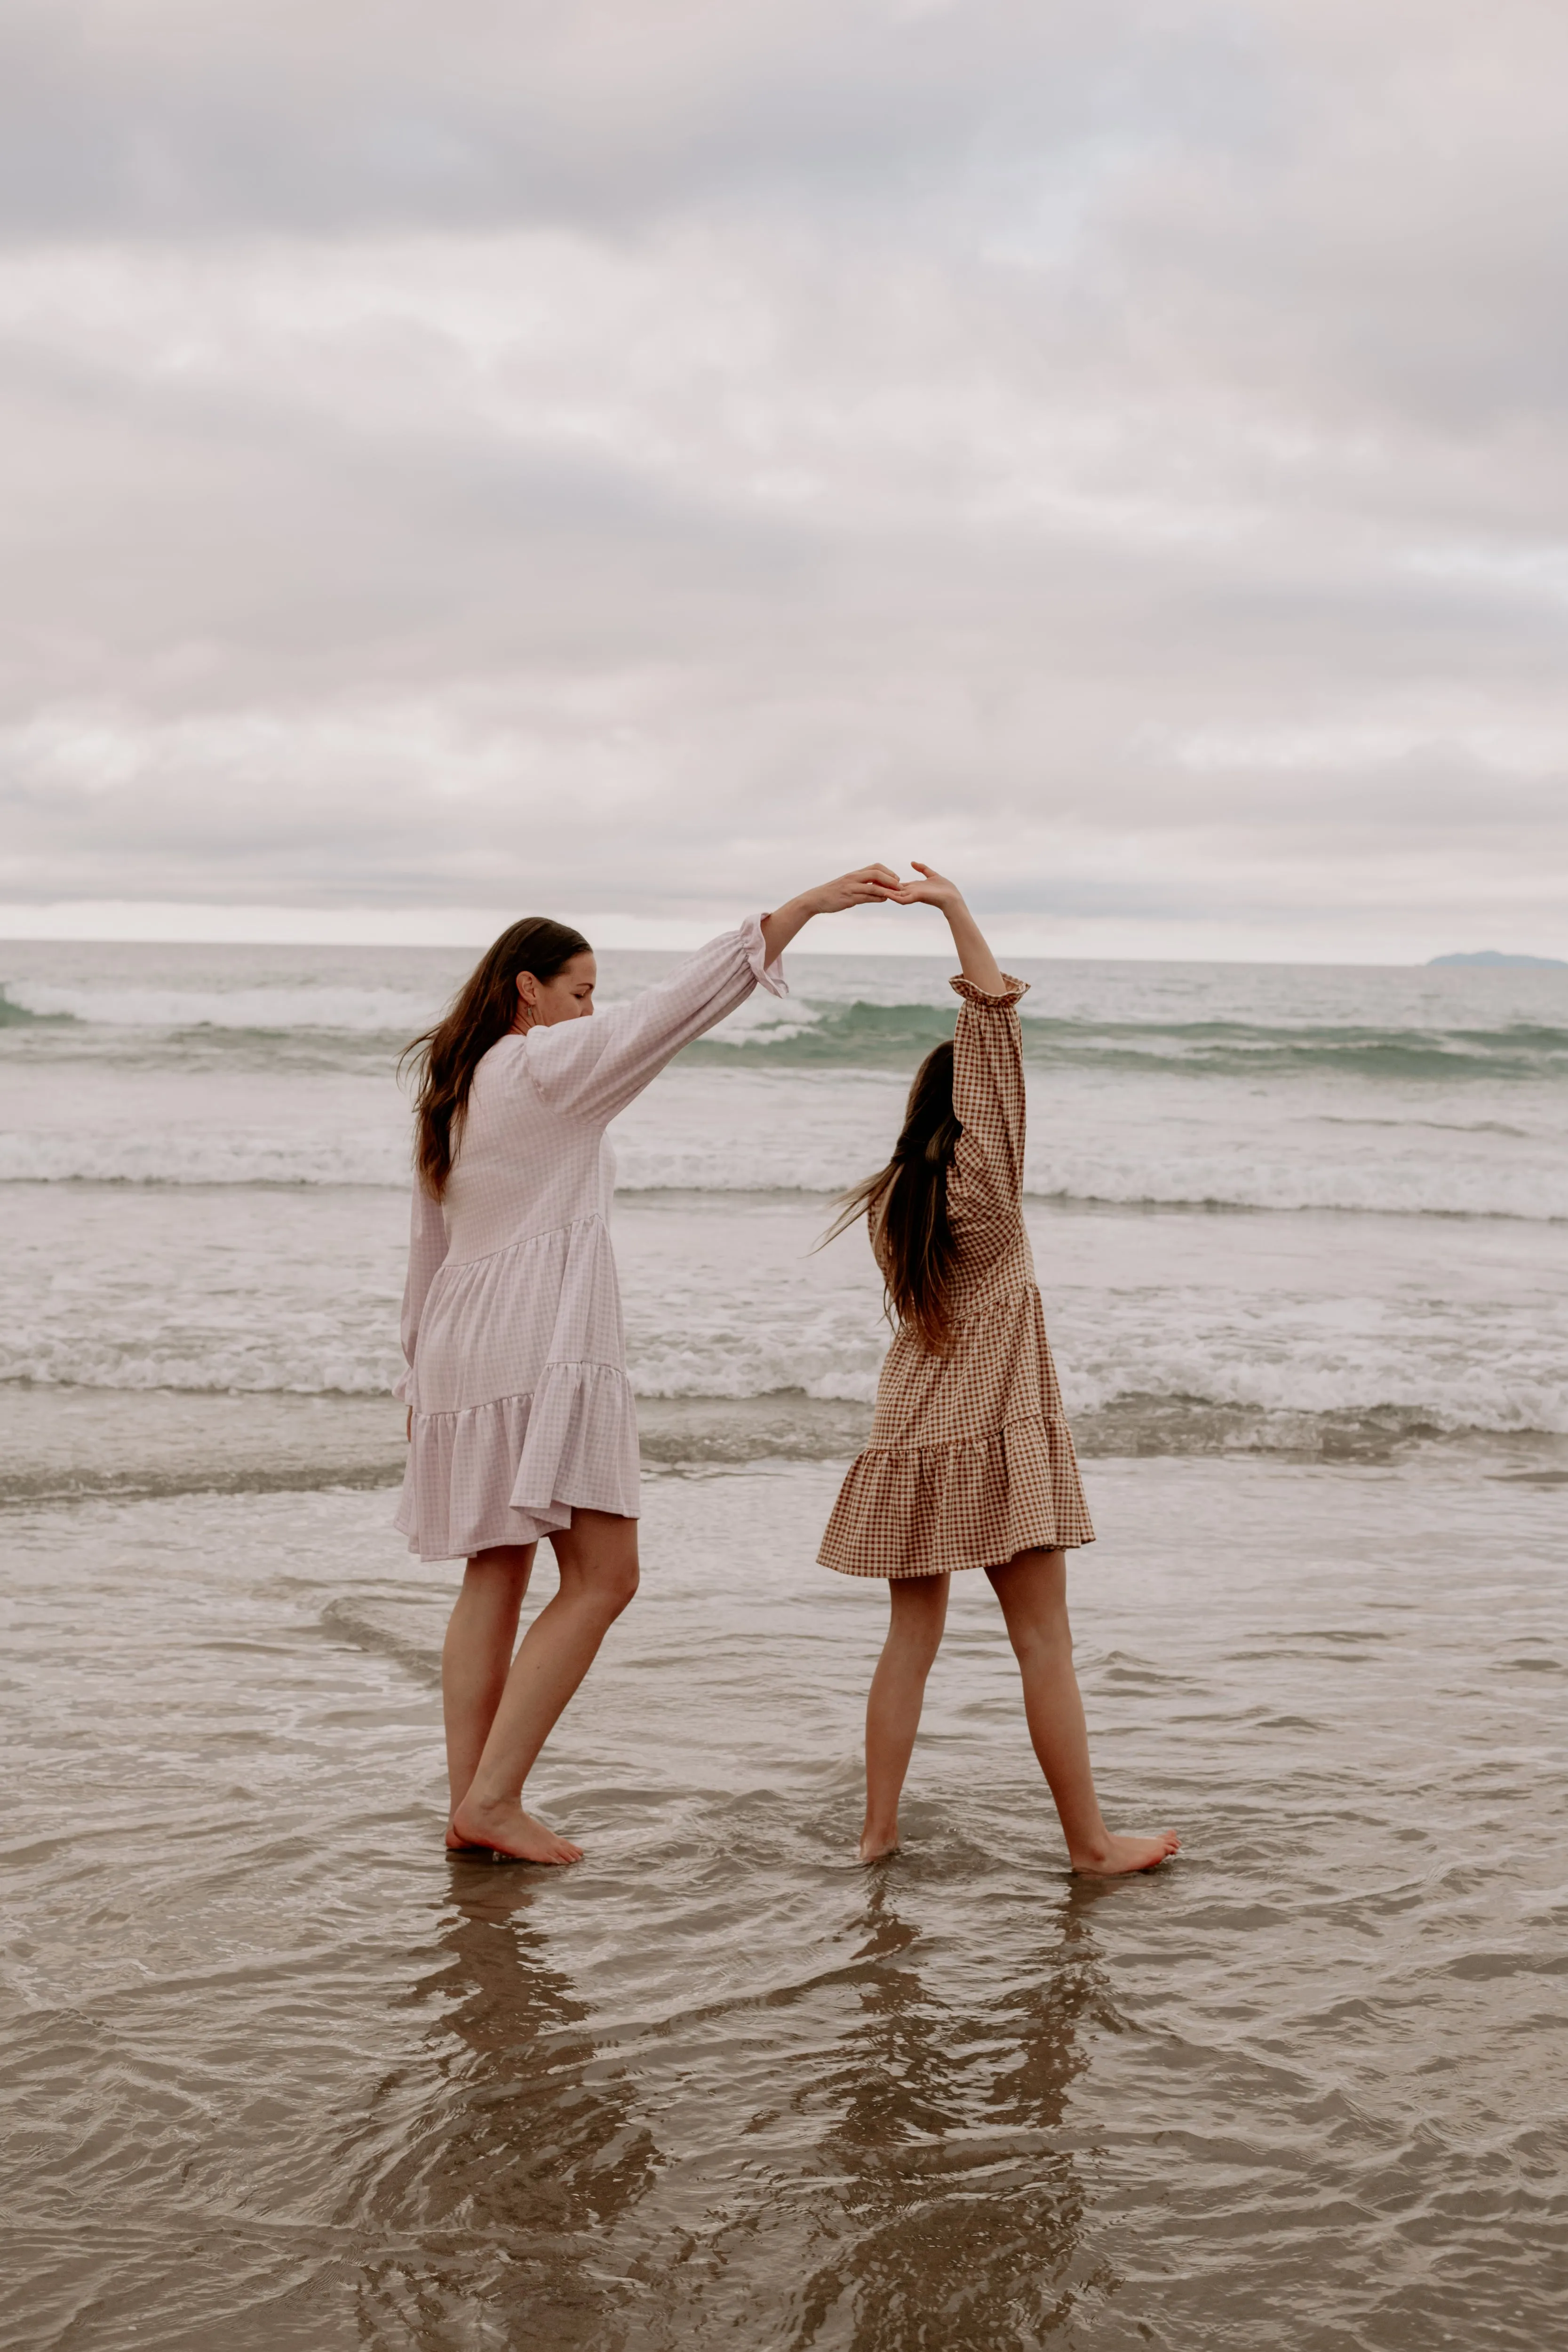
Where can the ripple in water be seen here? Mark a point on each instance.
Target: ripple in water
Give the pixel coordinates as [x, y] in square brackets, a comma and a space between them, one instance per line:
[279, 2076]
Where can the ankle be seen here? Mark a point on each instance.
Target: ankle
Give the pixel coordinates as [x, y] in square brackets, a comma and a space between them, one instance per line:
[479, 1799]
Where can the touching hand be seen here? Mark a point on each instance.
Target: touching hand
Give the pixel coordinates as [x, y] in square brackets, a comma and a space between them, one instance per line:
[934, 890]
[976, 959]
[869, 886]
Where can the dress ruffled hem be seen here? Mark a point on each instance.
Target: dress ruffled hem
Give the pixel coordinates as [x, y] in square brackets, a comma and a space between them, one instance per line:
[515, 1469]
[931, 1511]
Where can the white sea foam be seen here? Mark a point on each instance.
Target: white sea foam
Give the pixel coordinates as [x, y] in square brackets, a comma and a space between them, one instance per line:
[206, 1211]
[795, 1150]
[1515, 1383]
[1522, 1390]
[139, 1086]
[764, 1018]
[203, 1157]
[377, 1011]
[725, 1301]
[1409, 1182]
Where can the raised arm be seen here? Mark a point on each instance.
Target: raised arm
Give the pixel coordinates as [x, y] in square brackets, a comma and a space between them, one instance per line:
[988, 1049]
[868, 886]
[590, 1069]
[988, 1090]
[975, 960]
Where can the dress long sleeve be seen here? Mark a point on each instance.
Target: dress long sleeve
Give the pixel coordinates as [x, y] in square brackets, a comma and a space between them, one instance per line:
[521, 1405]
[590, 1070]
[426, 1256]
[970, 1461]
[988, 1094]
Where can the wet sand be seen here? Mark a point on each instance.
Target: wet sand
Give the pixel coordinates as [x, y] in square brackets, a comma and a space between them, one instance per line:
[279, 2075]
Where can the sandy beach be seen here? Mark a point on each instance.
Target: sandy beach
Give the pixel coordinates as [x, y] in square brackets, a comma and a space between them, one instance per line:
[280, 2075]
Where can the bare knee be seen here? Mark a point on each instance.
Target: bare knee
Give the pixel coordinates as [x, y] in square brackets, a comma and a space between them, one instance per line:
[603, 1586]
[1049, 1639]
[923, 1658]
[1033, 1591]
[616, 1585]
[597, 1557]
[905, 1655]
[918, 1615]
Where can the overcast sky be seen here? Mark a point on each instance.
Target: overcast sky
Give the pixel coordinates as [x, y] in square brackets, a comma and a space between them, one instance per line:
[621, 460]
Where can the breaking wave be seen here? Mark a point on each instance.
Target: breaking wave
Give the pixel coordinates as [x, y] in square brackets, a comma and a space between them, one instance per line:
[884, 1036]
[800, 1034]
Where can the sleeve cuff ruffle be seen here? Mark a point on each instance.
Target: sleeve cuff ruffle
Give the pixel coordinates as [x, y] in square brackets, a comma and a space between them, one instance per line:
[767, 975]
[1012, 991]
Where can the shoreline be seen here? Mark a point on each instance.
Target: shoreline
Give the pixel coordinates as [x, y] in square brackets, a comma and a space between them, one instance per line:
[419, 2094]
[65, 1443]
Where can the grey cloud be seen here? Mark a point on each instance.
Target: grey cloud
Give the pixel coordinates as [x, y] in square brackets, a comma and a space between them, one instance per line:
[1116, 447]
[164, 117]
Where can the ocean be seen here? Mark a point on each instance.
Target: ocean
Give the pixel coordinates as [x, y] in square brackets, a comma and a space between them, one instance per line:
[279, 2074]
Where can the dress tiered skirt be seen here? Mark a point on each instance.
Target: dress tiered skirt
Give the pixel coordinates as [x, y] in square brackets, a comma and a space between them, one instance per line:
[521, 1407]
[970, 1461]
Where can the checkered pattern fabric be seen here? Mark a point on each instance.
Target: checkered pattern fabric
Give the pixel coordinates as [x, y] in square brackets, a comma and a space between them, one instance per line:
[970, 1460]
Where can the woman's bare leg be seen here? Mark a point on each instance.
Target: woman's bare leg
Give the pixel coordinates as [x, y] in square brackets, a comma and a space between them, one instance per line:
[918, 1613]
[480, 1637]
[597, 1556]
[1033, 1590]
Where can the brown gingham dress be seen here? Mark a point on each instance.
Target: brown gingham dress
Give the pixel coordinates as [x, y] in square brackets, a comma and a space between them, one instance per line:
[970, 1460]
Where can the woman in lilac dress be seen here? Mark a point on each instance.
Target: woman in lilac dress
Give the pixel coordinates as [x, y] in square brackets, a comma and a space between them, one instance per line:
[520, 1418]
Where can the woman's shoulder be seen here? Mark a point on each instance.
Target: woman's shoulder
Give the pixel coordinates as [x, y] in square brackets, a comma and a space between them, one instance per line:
[501, 1061]
[502, 1085]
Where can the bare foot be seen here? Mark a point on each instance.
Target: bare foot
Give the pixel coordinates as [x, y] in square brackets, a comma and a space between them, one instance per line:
[1119, 1856]
[456, 1845]
[505, 1828]
[873, 1848]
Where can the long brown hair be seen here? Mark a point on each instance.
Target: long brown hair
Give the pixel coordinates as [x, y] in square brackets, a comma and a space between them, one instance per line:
[905, 1205]
[481, 1014]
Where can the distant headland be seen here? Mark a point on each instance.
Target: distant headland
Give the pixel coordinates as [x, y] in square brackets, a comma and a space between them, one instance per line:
[1490, 955]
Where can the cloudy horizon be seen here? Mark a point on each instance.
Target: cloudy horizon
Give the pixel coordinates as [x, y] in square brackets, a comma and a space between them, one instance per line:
[624, 466]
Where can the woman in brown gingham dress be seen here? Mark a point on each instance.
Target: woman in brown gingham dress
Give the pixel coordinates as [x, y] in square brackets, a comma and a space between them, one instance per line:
[970, 1462]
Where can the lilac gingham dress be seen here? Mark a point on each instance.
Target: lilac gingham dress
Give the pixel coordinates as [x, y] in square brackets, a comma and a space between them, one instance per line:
[511, 1317]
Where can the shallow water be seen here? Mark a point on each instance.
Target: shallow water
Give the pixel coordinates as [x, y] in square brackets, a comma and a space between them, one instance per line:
[278, 2075]
[1309, 1212]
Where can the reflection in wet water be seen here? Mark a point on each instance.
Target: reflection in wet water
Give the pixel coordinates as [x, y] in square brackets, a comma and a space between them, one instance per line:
[961, 2218]
[510, 2183]
[520, 2160]
[278, 2079]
